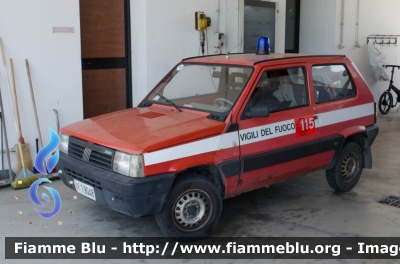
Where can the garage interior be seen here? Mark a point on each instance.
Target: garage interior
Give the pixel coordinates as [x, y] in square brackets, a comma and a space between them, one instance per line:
[94, 57]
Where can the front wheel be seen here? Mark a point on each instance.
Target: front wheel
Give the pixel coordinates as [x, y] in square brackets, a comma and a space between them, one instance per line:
[192, 209]
[385, 102]
[347, 171]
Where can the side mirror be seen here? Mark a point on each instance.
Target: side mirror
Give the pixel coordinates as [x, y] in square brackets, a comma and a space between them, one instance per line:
[258, 111]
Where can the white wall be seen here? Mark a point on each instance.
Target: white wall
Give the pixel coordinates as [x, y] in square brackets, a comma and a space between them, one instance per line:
[320, 32]
[318, 26]
[26, 29]
[280, 24]
[376, 17]
[163, 33]
[139, 50]
[233, 30]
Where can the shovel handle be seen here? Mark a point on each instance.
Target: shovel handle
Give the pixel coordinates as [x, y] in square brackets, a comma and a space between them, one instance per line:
[33, 102]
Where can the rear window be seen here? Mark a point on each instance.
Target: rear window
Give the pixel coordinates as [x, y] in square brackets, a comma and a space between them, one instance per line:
[332, 82]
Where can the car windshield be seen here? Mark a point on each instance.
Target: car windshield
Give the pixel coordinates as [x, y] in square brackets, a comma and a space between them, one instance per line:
[211, 88]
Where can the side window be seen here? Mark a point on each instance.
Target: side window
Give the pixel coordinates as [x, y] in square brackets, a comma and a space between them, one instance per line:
[332, 82]
[281, 90]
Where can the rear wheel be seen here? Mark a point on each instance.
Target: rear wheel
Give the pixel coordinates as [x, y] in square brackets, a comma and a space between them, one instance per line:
[385, 102]
[192, 208]
[347, 171]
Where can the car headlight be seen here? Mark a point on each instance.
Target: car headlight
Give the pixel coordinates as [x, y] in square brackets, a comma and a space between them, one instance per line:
[63, 146]
[127, 164]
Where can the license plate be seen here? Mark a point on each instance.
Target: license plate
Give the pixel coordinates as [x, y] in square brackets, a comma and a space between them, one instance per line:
[85, 189]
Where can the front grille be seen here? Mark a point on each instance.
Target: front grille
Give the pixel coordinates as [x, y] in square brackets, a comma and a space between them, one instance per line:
[74, 150]
[91, 153]
[83, 178]
[100, 160]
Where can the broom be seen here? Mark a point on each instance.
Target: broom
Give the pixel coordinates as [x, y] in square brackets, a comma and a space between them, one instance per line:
[20, 183]
[24, 170]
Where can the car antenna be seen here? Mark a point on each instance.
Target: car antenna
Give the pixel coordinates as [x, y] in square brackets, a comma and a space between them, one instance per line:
[227, 53]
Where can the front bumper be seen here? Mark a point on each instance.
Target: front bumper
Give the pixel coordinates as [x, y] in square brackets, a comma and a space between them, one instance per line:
[132, 196]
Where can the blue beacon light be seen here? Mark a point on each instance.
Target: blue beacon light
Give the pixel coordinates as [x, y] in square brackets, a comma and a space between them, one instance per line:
[263, 46]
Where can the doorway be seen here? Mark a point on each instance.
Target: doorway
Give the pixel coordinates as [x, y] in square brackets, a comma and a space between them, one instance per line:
[259, 20]
[292, 26]
[106, 56]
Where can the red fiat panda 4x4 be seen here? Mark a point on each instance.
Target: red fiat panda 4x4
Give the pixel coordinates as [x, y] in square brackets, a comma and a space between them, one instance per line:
[218, 126]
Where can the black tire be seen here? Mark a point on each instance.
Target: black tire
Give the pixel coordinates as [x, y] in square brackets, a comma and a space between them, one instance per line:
[347, 171]
[385, 103]
[192, 208]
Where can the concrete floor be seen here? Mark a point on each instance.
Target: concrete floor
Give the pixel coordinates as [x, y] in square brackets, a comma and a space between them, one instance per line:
[304, 206]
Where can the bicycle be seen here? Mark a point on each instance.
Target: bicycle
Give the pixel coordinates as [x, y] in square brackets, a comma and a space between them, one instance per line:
[386, 100]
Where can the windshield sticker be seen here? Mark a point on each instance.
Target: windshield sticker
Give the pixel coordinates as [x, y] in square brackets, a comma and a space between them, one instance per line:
[180, 67]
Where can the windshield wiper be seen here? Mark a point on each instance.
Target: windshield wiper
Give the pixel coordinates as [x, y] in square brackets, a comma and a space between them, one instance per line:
[169, 101]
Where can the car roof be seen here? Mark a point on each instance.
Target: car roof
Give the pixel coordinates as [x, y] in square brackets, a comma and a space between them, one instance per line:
[251, 59]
